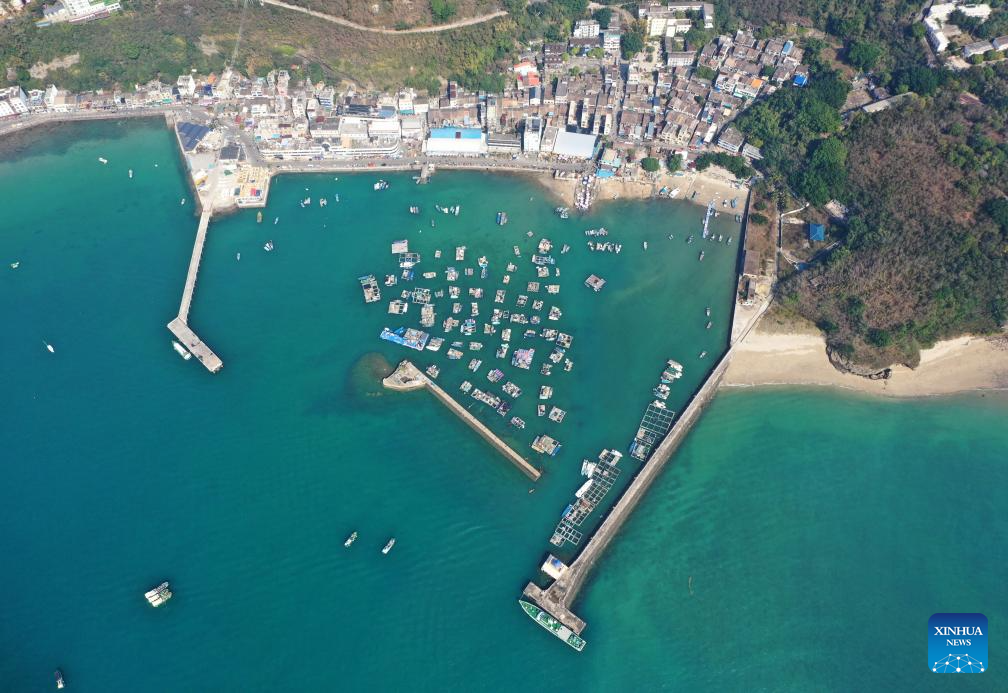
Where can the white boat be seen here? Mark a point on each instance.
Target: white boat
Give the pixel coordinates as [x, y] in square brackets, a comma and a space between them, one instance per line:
[131, 173]
[707, 311]
[323, 202]
[15, 265]
[103, 159]
[350, 540]
[50, 348]
[159, 595]
[181, 350]
[268, 247]
[388, 546]
[276, 221]
[182, 202]
[238, 256]
[645, 245]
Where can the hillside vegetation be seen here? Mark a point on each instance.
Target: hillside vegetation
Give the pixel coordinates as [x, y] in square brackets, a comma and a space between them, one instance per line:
[400, 14]
[924, 255]
[164, 38]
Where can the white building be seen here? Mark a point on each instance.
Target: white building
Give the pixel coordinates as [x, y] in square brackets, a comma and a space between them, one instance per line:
[532, 134]
[13, 101]
[586, 29]
[938, 28]
[186, 85]
[572, 145]
[659, 17]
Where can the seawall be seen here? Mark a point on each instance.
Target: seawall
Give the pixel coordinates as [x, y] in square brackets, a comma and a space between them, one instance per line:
[409, 377]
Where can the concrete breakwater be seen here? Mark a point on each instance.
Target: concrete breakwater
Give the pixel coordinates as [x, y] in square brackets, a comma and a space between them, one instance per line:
[557, 598]
[408, 377]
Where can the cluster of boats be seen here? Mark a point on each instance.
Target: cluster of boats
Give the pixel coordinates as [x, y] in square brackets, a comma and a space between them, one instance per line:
[381, 185]
[520, 358]
[454, 209]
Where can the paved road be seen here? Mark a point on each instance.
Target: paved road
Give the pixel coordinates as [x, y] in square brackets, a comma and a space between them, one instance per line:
[381, 30]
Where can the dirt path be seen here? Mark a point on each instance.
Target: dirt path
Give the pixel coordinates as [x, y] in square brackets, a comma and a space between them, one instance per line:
[381, 30]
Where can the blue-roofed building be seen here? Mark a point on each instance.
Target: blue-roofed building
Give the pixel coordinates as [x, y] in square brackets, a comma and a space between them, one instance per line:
[816, 232]
[456, 133]
[456, 142]
[191, 134]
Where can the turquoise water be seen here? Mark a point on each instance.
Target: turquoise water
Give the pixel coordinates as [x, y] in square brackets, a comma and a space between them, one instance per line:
[821, 530]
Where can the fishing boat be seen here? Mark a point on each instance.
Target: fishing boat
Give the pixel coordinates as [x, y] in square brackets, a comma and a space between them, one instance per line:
[689, 240]
[381, 185]
[502, 218]
[388, 546]
[323, 202]
[181, 350]
[350, 540]
[103, 159]
[238, 257]
[645, 245]
[414, 210]
[707, 311]
[701, 256]
[552, 625]
[516, 251]
[131, 173]
[709, 323]
[259, 217]
[59, 679]
[15, 265]
[159, 595]
[305, 202]
[703, 354]
[729, 240]
[268, 247]
[458, 208]
[182, 202]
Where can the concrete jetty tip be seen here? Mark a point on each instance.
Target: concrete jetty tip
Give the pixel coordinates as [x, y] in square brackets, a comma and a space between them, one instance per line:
[408, 377]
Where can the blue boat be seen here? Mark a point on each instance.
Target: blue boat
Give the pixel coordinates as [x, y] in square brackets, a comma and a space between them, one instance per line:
[407, 337]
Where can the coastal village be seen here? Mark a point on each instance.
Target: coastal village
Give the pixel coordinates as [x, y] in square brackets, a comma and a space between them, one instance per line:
[578, 105]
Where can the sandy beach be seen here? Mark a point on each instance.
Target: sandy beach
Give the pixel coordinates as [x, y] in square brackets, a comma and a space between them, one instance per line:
[798, 357]
[711, 184]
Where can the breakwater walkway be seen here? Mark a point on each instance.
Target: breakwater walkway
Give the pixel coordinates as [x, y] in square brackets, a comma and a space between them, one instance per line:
[558, 597]
[180, 325]
[408, 377]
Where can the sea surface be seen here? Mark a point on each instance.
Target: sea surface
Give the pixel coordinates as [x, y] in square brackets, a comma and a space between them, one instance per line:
[820, 530]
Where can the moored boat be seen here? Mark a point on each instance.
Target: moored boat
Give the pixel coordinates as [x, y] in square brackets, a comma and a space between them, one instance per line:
[388, 546]
[350, 540]
[553, 626]
[59, 679]
[181, 350]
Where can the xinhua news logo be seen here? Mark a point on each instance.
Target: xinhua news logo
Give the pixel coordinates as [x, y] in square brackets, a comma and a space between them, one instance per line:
[957, 643]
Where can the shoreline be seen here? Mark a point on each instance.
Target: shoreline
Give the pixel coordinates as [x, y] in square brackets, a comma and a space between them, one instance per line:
[709, 184]
[796, 357]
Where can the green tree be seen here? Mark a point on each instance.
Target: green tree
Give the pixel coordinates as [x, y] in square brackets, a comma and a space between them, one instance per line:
[442, 10]
[603, 16]
[704, 72]
[864, 55]
[674, 162]
[650, 164]
[632, 41]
